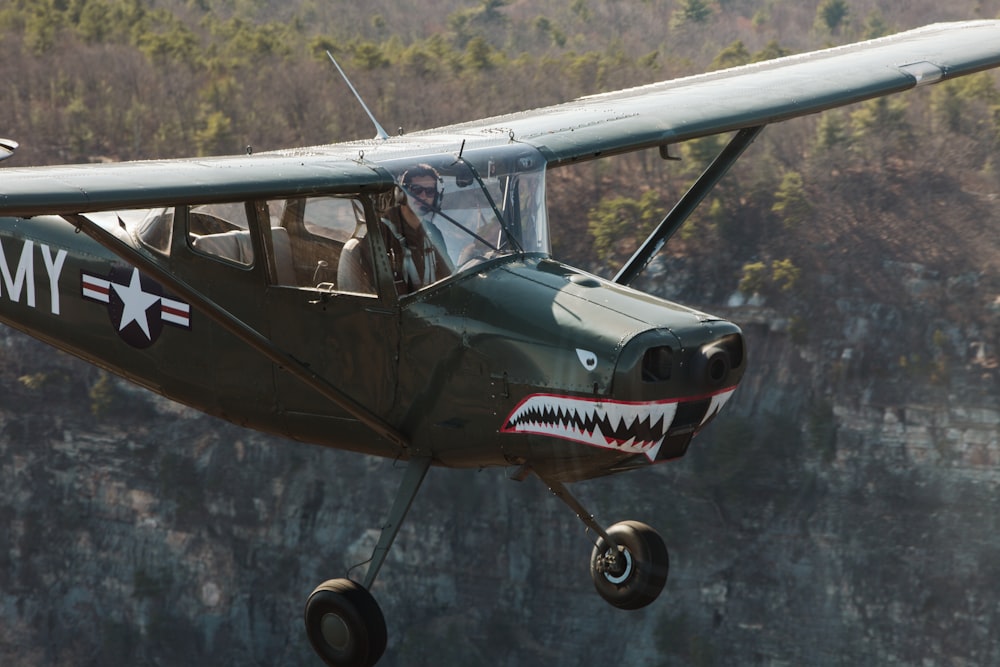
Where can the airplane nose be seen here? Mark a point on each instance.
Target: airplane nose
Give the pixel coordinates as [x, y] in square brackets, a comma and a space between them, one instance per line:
[676, 379]
[696, 361]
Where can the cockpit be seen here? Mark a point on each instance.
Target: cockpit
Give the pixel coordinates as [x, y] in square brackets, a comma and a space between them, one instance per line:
[486, 207]
[477, 208]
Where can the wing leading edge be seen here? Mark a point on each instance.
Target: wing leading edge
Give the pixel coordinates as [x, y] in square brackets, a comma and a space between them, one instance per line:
[757, 94]
[142, 184]
[587, 128]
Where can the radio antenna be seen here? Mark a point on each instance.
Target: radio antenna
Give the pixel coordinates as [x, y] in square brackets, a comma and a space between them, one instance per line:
[380, 132]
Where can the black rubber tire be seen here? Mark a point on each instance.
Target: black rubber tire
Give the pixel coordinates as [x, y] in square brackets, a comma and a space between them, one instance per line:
[646, 572]
[345, 625]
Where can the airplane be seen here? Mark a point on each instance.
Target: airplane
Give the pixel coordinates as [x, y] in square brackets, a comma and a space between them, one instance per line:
[397, 296]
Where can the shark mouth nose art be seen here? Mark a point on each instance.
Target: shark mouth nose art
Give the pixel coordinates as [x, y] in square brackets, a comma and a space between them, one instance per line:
[633, 427]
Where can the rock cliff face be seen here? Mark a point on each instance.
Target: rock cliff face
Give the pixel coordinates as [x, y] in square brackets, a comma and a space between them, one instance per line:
[841, 512]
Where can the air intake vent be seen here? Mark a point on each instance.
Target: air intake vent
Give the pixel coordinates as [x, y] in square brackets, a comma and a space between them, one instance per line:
[657, 363]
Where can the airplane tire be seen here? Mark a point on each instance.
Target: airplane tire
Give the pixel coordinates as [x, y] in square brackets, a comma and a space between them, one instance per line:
[345, 625]
[642, 572]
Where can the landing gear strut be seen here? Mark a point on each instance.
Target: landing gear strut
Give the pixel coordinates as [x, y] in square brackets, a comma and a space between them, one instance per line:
[629, 563]
[343, 622]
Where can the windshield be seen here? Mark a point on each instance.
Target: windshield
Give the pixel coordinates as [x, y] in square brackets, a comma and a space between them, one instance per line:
[474, 208]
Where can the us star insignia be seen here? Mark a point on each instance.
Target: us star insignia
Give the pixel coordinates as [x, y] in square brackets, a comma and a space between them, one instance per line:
[136, 304]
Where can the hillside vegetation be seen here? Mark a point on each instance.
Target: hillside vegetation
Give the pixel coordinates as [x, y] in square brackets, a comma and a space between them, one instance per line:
[862, 202]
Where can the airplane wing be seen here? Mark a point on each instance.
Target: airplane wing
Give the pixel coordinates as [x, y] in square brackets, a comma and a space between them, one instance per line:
[587, 128]
[681, 109]
[100, 187]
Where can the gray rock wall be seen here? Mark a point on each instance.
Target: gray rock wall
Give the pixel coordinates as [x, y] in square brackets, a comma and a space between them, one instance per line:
[821, 521]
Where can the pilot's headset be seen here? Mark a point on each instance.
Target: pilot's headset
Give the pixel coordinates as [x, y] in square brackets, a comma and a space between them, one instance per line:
[422, 169]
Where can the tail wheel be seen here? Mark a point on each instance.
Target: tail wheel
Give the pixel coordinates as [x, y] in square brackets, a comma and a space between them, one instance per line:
[634, 576]
[345, 625]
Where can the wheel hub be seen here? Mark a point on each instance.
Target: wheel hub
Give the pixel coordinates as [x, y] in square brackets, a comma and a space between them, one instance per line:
[617, 567]
[335, 632]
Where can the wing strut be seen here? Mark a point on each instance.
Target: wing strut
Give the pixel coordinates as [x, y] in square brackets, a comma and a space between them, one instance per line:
[687, 204]
[238, 328]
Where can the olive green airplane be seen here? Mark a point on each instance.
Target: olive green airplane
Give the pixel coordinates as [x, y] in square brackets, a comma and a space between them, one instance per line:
[396, 296]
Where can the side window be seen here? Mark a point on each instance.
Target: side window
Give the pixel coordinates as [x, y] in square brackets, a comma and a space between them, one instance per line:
[221, 231]
[333, 218]
[156, 229]
[317, 239]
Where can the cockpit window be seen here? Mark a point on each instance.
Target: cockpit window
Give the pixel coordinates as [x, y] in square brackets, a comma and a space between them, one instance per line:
[461, 212]
[314, 237]
[155, 230]
[221, 231]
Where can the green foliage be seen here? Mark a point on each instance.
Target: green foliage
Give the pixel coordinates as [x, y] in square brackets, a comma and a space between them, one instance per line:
[690, 11]
[791, 203]
[950, 102]
[760, 18]
[215, 135]
[832, 14]
[781, 275]
[754, 278]
[705, 222]
[770, 51]
[831, 131]
[879, 125]
[875, 26]
[544, 26]
[172, 43]
[784, 274]
[478, 54]
[697, 154]
[732, 56]
[468, 24]
[368, 56]
[617, 221]
[580, 8]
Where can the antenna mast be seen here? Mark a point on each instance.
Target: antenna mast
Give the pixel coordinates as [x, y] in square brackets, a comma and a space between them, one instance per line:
[380, 132]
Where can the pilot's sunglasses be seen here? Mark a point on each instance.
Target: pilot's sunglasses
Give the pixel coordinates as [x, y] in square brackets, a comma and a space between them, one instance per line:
[421, 190]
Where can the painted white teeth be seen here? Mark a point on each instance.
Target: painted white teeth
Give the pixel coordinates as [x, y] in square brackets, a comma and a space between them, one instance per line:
[638, 428]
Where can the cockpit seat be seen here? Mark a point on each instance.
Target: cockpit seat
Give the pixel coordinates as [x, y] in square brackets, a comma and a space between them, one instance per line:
[237, 247]
[352, 275]
[283, 262]
[234, 246]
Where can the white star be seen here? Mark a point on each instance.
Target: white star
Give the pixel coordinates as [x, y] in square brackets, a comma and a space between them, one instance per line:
[136, 303]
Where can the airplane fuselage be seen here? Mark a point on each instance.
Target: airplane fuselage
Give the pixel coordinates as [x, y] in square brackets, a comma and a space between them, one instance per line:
[523, 360]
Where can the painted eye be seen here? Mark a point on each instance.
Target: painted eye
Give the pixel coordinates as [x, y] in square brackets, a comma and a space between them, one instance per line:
[587, 358]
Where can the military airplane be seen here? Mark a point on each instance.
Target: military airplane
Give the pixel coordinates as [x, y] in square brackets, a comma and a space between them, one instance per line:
[397, 297]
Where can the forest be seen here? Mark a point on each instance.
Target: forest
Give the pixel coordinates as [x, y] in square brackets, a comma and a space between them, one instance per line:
[100, 80]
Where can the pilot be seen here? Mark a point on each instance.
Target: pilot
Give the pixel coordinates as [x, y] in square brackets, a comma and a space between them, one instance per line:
[416, 247]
